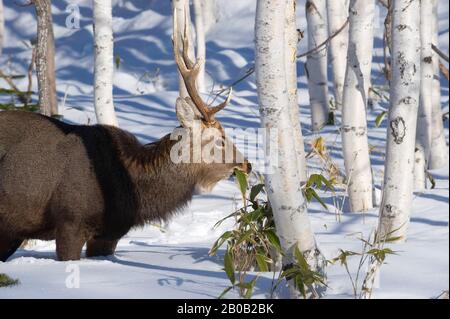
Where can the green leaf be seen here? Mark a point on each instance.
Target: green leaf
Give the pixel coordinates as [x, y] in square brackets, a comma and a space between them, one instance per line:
[255, 191]
[273, 239]
[262, 263]
[242, 181]
[118, 61]
[229, 267]
[311, 193]
[380, 118]
[225, 292]
[219, 242]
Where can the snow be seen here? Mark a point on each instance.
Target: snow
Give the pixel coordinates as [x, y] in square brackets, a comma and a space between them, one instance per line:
[171, 261]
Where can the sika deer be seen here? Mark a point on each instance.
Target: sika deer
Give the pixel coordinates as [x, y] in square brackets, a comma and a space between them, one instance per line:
[91, 184]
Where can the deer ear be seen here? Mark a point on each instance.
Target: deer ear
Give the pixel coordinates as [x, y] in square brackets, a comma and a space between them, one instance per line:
[187, 112]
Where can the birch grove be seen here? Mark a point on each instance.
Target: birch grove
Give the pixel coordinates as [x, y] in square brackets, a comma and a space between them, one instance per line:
[45, 59]
[104, 63]
[355, 143]
[316, 63]
[405, 93]
[283, 182]
[439, 149]
[337, 12]
[424, 125]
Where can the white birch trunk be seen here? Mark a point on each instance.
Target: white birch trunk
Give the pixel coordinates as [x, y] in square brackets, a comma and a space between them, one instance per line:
[316, 63]
[439, 148]
[104, 63]
[291, 75]
[423, 134]
[183, 17]
[2, 27]
[210, 14]
[405, 93]
[45, 59]
[355, 143]
[283, 183]
[201, 43]
[337, 11]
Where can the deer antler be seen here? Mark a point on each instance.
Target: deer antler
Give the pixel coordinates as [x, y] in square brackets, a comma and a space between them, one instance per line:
[190, 70]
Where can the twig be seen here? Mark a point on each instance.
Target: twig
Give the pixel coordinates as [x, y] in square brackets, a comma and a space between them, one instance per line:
[8, 80]
[317, 48]
[443, 69]
[439, 52]
[384, 3]
[251, 70]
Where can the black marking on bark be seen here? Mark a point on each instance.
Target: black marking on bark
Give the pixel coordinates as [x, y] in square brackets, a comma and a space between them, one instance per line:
[428, 59]
[398, 129]
[401, 27]
[408, 100]
[359, 131]
[389, 211]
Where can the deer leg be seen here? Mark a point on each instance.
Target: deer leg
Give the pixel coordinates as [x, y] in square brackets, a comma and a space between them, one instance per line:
[8, 247]
[69, 242]
[101, 247]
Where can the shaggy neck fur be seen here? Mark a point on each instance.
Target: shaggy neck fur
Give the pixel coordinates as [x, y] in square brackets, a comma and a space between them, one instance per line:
[160, 186]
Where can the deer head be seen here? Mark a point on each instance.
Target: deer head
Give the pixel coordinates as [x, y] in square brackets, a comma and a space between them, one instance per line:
[208, 146]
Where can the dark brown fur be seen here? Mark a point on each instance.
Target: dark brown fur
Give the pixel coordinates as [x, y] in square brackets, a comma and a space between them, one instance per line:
[86, 184]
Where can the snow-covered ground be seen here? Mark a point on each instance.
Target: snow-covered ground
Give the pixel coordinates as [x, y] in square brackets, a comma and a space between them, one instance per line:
[173, 262]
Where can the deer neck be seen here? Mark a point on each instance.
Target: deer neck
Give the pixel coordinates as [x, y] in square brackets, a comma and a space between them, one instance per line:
[161, 186]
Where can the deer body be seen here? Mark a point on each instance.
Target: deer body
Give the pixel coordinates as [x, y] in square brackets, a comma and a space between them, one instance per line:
[81, 183]
[91, 184]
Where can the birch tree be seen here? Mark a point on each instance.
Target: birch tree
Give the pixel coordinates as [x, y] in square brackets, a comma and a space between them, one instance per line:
[183, 24]
[45, 58]
[291, 43]
[104, 63]
[439, 148]
[2, 27]
[316, 63]
[404, 96]
[337, 11]
[201, 42]
[210, 13]
[355, 143]
[283, 182]
[423, 134]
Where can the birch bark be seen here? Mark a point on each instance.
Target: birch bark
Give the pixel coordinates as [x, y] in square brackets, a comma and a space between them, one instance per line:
[283, 182]
[355, 143]
[423, 135]
[405, 93]
[291, 75]
[316, 63]
[201, 44]
[337, 11]
[45, 59]
[439, 148]
[104, 63]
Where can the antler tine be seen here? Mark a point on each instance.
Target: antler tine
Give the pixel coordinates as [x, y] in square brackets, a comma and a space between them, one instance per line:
[222, 105]
[186, 57]
[175, 40]
[190, 70]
